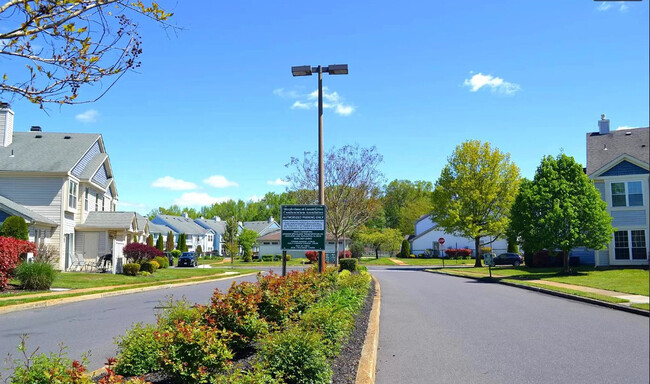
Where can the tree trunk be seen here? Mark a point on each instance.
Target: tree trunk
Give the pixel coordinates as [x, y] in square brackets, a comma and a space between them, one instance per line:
[477, 247]
[336, 251]
[377, 253]
[566, 261]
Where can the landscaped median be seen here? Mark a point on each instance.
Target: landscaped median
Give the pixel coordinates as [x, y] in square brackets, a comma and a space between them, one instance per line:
[294, 329]
[85, 286]
[627, 287]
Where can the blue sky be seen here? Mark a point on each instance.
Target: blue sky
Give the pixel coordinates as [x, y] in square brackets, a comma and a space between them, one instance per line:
[214, 113]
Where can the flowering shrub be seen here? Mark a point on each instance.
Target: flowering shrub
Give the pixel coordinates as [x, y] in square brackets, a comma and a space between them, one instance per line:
[138, 253]
[345, 254]
[192, 352]
[48, 369]
[10, 251]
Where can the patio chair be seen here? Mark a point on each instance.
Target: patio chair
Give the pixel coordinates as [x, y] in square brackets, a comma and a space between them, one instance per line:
[75, 262]
[81, 262]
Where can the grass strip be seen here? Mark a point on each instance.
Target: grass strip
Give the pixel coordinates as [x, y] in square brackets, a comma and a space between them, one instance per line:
[641, 306]
[6, 303]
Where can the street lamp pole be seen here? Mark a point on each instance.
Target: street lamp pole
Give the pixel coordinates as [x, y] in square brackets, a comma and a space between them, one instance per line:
[307, 70]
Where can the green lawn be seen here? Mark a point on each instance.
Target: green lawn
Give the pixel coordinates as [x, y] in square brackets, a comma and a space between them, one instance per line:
[373, 261]
[78, 280]
[414, 261]
[641, 306]
[633, 281]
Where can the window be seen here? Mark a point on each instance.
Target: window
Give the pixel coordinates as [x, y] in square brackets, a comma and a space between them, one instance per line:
[633, 197]
[630, 245]
[72, 194]
[86, 200]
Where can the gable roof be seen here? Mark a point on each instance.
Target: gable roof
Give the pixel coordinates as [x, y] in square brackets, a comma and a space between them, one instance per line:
[217, 226]
[51, 153]
[181, 224]
[160, 228]
[604, 149]
[141, 221]
[261, 227]
[30, 216]
[108, 220]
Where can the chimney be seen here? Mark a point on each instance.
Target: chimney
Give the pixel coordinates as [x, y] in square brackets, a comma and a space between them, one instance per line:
[6, 125]
[217, 218]
[240, 224]
[36, 128]
[270, 219]
[603, 125]
[185, 215]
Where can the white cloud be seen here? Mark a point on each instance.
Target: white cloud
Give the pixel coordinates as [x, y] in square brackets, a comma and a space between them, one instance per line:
[255, 198]
[219, 181]
[194, 199]
[173, 184]
[90, 116]
[496, 84]
[277, 181]
[606, 6]
[331, 100]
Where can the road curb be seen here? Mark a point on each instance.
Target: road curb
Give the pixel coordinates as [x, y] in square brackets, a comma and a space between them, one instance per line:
[559, 294]
[368, 361]
[94, 296]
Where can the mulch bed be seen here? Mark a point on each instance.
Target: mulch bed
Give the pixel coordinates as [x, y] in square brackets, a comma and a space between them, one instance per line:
[344, 366]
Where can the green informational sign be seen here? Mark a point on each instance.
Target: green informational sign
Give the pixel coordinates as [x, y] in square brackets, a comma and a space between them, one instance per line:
[303, 227]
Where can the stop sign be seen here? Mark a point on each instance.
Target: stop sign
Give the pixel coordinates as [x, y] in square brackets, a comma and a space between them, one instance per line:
[441, 240]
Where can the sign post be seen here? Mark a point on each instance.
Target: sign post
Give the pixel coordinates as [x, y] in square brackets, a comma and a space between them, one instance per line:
[302, 229]
[441, 241]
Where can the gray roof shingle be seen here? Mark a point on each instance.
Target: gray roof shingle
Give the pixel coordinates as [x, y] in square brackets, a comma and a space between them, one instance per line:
[261, 227]
[26, 213]
[159, 228]
[633, 142]
[217, 226]
[50, 153]
[184, 224]
[108, 220]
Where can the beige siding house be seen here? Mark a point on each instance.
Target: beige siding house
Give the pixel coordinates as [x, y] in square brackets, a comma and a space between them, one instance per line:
[55, 181]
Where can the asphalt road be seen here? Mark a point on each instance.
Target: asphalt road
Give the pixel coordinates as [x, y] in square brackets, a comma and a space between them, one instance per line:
[92, 325]
[444, 329]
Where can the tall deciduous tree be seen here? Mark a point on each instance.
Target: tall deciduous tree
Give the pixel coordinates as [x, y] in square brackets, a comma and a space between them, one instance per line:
[247, 239]
[474, 193]
[380, 238]
[560, 209]
[352, 186]
[405, 201]
[230, 238]
[59, 46]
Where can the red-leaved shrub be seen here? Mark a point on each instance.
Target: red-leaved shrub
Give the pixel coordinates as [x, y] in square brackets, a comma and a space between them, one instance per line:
[458, 252]
[138, 253]
[10, 251]
[312, 256]
[345, 254]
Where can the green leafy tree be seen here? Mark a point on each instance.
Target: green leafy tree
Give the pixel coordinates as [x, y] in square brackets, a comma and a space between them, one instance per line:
[474, 193]
[388, 239]
[16, 227]
[159, 243]
[560, 209]
[150, 240]
[199, 250]
[405, 201]
[57, 47]
[247, 239]
[170, 246]
[230, 238]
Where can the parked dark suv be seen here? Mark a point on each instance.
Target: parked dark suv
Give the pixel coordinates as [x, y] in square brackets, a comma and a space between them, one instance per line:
[188, 259]
[508, 259]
